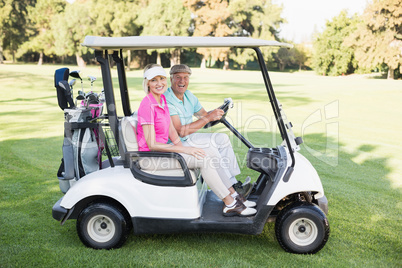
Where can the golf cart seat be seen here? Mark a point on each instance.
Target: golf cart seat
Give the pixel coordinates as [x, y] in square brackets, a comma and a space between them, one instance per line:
[159, 168]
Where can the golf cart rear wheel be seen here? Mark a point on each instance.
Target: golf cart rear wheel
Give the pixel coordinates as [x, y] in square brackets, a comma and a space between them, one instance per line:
[302, 228]
[102, 226]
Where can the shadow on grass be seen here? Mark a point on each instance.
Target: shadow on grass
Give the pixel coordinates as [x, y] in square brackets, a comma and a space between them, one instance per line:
[377, 76]
[360, 196]
[30, 99]
[25, 78]
[13, 75]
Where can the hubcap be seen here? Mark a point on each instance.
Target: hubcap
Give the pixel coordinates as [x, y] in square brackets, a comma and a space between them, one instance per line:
[101, 228]
[303, 232]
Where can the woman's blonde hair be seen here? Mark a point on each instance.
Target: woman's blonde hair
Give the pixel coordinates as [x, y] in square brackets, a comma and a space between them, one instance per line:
[145, 82]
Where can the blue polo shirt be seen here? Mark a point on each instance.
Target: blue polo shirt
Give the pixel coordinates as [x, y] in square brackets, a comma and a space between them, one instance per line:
[185, 109]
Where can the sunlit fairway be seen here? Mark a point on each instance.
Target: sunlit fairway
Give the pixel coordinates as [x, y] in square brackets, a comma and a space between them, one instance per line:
[351, 128]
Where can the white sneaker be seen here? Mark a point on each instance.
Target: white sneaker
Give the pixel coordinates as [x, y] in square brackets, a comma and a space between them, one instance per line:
[250, 204]
[239, 209]
[247, 203]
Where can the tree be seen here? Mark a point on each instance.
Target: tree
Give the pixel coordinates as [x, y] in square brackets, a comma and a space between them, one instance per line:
[210, 18]
[378, 39]
[121, 20]
[302, 55]
[284, 57]
[41, 17]
[296, 56]
[257, 19]
[169, 18]
[13, 24]
[92, 17]
[71, 27]
[115, 18]
[5, 14]
[331, 56]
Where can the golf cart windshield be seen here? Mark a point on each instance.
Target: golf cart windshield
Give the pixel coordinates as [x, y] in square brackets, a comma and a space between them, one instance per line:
[115, 45]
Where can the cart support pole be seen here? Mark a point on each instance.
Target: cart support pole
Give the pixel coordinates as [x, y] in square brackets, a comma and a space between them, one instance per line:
[109, 96]
[125, 100]
[275, 107]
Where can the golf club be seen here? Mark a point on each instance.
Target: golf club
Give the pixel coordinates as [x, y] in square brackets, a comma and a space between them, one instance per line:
[72, 83]
[76, 74]
[92, 79]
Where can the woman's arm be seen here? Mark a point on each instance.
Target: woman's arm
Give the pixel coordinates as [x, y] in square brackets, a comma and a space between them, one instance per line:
[173, 135]
[153, 145]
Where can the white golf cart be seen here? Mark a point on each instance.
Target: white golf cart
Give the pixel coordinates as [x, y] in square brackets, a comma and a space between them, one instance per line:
[120, 195]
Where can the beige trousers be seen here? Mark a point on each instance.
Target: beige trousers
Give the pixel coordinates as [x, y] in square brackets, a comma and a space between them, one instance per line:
[220, 144]
[208, 165]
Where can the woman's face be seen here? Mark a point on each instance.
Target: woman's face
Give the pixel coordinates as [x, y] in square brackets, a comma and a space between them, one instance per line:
[157, 85]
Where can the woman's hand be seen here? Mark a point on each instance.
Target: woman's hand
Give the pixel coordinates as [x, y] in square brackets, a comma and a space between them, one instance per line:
[196, 152]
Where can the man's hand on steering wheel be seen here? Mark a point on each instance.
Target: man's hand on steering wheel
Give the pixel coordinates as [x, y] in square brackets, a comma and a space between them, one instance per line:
[215, 115]
[219, 113]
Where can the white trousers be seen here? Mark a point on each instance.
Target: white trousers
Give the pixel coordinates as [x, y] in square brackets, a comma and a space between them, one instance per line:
[220, 146]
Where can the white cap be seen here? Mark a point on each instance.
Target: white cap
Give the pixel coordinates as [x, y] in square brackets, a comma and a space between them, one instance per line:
[153, 72]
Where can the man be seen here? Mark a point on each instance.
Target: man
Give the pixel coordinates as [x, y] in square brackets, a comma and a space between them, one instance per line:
[182, 106]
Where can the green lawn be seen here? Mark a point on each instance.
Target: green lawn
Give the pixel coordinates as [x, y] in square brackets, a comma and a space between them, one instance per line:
[350, 126]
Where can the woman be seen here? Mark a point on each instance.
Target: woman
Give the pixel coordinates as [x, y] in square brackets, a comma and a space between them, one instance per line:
[155, 129]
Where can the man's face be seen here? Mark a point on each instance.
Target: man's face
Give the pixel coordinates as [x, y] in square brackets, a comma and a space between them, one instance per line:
[180, 82]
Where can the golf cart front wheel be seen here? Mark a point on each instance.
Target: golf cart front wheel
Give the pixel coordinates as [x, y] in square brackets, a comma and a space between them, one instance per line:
[102, 226]
[302, 228]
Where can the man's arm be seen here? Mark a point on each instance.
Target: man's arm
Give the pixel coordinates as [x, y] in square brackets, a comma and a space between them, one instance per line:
[204, 118]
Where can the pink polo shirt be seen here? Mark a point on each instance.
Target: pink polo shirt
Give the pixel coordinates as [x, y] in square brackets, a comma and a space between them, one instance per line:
[151, 113]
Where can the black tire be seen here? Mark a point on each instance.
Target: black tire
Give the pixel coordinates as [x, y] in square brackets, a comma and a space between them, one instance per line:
[103, 226]
[302, 228]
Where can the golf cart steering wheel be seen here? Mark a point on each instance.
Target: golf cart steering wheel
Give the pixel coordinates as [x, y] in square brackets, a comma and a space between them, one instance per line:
[225, 107]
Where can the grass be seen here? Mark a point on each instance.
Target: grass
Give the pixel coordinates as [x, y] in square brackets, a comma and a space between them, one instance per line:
[350, 125]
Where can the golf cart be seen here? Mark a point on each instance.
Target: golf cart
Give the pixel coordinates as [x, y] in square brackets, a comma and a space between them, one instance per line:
[120, 195]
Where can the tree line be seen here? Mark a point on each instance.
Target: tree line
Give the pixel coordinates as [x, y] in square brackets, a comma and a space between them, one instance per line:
[52, 31]
[372, 41]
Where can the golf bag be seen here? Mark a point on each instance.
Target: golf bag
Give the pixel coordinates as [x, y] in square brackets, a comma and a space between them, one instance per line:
[82, 138]
[82, 147]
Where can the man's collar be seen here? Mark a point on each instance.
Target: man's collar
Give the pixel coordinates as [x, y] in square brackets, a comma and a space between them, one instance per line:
[174, 95]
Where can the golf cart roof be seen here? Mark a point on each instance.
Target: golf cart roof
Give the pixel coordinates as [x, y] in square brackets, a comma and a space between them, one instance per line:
[155, 42]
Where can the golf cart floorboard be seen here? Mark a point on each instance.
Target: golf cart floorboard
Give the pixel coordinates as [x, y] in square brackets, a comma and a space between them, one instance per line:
[213, 211]
[211, 221]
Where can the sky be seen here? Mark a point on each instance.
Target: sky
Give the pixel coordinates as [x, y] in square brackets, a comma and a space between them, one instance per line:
[304, 17]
